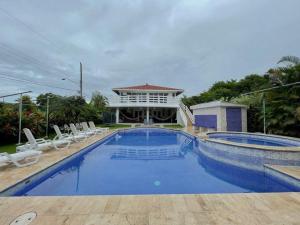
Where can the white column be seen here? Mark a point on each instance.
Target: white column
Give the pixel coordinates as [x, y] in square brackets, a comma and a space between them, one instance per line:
[148, 120]
[117, 115]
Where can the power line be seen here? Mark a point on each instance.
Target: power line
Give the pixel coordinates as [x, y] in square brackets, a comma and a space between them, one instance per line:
[35, 83]
[30, 28]
[24, 92]
[268, 89]
[21, 56]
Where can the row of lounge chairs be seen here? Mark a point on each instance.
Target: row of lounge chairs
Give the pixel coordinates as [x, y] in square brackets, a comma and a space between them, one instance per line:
[30, 152]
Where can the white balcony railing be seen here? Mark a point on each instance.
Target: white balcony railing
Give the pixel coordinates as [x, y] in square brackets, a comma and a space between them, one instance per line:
[143, 100]
[188, 112]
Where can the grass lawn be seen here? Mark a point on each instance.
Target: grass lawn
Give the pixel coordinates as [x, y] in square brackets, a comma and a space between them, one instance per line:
[10, 148]
[114, 126]
[173, 126]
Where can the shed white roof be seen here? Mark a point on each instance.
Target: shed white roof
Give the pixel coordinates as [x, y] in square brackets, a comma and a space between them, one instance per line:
[215, 104]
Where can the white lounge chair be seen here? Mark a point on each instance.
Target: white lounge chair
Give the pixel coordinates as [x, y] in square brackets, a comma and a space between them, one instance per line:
[22, 148]
[67, 128]
[87, 129]
[41, 144]
[76, 132]
[98, 129]
[20, 159]
[65, 136]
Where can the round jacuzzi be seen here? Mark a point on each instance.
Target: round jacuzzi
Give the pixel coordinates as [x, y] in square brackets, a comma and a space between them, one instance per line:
[256, 139]
[252, 150]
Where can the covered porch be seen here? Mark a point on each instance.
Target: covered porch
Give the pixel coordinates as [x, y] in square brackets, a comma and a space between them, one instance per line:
[146, 115]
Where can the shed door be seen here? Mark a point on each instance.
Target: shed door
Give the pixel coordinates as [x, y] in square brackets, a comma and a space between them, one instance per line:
[234, 119]
[208, 121]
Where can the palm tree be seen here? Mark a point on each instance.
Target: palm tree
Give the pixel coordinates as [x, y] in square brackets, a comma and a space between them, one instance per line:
[294, 60]
[98, 101]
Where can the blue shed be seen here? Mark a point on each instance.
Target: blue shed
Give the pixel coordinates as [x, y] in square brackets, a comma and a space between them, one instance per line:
[220, 116]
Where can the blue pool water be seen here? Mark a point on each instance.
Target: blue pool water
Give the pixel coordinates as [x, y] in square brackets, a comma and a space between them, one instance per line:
[253, 140]
[149, 161]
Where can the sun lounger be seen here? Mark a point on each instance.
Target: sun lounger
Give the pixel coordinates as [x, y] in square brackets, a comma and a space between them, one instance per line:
[98, 129]
[20, 159]
[42, 144]
[77, 132]
[87, 129]
[65, 136]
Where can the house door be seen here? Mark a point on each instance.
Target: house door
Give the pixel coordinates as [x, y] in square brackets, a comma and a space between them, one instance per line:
[234, 119]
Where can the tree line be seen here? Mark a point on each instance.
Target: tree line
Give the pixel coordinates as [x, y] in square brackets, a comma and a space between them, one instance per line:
[282, 103]
[62, 110]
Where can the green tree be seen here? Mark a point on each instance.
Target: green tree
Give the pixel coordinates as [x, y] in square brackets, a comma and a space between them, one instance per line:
[98, 101]
[282, 103]
[228, 90]
[294, 60]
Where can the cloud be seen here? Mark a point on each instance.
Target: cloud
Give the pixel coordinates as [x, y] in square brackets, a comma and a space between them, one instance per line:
[185, 44]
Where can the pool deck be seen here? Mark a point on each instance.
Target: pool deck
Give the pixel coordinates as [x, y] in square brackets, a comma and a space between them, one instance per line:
[252, 208]
[278, 208]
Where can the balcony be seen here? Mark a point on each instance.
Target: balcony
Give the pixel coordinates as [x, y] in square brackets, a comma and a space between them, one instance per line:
[143, 101]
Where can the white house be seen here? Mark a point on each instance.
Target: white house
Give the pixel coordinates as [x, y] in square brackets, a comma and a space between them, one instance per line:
[220, 116]
[148, 104]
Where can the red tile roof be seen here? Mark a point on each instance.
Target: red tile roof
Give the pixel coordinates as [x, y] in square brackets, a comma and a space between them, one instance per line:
[148, 87]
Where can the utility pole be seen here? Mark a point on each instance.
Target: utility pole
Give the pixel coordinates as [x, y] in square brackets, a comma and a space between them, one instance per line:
[47, 117]
[80, 79]
[20, 111]
[20, 118]
[264, 111]
[264, 100]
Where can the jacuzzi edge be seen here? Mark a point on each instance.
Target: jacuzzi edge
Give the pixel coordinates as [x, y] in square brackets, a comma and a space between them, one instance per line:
[261, 147]
[258, 134]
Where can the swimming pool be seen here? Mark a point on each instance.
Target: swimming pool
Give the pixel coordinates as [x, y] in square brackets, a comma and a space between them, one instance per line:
[148, 161]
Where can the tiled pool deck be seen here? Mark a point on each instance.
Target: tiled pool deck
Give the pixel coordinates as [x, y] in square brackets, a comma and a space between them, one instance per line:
[268, 208]
[254, 209]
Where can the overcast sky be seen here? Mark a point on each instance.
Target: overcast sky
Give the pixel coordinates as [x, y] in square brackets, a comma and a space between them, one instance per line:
[185, 44]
